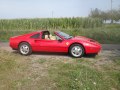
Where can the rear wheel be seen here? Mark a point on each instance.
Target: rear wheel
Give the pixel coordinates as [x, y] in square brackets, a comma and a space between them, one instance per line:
[76, 50]
[25, 48]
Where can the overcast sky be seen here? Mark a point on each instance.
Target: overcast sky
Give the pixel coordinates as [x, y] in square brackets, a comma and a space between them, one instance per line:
[51, 8]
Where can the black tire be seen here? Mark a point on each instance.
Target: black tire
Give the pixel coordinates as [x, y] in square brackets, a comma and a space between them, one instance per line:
[81, 50]
[28, 47]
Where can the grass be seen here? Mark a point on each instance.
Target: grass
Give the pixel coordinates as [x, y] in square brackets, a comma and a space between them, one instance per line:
[5, 35]
[79, 77]
[41, 61]
[102, 35]
[88, 74]
[61, 73]
[89, 27]
[49, 23]
[19, 72]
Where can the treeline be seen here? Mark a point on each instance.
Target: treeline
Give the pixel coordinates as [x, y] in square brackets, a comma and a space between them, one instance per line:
[113, 15]
[49, 23]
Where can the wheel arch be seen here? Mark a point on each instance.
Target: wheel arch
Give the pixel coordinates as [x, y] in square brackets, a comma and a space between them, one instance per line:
[23, 42]
[77, 43]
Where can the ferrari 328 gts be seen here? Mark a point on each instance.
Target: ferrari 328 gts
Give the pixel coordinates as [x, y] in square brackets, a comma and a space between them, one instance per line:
[43, 41]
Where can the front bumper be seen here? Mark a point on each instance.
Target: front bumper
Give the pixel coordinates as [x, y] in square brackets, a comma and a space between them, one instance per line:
[92, 48]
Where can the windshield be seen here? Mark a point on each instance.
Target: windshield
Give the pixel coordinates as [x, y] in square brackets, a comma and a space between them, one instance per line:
[64, 35]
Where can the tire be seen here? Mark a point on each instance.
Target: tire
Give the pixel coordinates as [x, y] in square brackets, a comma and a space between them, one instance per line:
[76, 50]
[25, 49]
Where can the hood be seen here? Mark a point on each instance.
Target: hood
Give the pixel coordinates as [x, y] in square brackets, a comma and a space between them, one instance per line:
[81, 38]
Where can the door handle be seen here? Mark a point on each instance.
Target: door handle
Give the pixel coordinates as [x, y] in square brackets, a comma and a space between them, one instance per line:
[37, 40]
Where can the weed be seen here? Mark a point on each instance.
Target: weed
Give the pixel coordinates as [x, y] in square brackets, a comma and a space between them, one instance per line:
[41, 61]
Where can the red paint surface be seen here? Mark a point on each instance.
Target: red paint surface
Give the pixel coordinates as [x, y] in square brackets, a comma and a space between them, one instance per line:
[90, 46]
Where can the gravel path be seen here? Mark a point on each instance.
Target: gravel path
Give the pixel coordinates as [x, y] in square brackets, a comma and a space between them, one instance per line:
[111, 46]
[105, 49]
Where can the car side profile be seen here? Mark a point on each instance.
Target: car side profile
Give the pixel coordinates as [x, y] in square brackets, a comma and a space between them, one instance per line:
[43, 41]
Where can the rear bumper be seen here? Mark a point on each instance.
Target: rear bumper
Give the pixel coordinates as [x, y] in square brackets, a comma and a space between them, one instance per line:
[13, 44]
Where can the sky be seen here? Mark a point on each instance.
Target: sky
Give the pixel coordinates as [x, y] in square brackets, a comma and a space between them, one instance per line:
[52, 8]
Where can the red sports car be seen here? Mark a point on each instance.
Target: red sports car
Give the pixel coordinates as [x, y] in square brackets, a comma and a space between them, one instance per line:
[43, 41]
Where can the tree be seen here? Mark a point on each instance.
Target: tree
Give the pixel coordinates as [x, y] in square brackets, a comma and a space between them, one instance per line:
[113, 15]
[95, 13]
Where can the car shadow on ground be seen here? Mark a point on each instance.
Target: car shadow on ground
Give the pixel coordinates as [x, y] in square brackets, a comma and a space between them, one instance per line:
[57, 54]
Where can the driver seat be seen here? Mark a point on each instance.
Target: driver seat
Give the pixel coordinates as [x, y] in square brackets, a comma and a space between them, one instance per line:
[52, 37]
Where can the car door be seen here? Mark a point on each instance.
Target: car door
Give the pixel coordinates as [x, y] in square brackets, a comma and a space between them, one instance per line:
[41, 44]
[51, 45]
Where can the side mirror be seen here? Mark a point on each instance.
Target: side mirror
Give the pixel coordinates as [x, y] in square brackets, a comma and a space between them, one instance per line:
[60, 40]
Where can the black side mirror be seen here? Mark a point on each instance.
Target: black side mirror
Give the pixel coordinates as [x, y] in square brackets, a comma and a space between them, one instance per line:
[60, 40]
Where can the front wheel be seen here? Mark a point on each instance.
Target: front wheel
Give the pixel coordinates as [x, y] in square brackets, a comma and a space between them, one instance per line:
[25, 49]
[76, 50]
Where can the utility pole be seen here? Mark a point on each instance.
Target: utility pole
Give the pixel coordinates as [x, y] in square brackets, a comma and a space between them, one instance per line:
[111, 11]
[52, 14]
[111, 5]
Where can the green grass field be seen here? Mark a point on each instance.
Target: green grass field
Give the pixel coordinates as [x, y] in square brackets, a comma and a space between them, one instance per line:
[62, 73]
[102, 35]
[49, 23]
[89, 27]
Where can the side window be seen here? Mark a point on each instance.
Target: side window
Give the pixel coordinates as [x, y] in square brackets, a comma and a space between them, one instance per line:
[35, 36]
